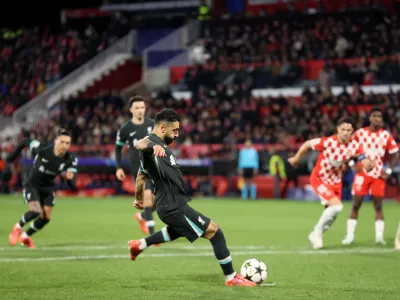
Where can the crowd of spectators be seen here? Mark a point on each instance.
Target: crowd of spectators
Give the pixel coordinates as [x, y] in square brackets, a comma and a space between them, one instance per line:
[273, 73]
[34, 59]
[31, 60]
[303, 36]
[227, 117]
[275, 48]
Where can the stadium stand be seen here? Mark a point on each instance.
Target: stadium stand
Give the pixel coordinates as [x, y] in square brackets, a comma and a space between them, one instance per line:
[326, 48]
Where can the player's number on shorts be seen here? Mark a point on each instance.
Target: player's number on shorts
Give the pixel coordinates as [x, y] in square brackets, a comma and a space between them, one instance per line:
[359, 180]
[322, 189]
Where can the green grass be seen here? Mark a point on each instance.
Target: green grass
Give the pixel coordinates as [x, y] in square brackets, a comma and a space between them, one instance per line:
[83, 254]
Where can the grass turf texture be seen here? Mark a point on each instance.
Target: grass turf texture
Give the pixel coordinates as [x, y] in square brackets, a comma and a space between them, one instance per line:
[83, 254]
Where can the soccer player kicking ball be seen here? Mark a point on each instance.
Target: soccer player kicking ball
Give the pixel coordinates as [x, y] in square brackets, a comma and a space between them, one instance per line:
[159, 164]
[38, 192]
[376, 142]
[326, 178]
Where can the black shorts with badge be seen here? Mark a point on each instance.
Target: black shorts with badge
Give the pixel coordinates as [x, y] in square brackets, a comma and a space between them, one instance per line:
[46, 197]
[187, 221]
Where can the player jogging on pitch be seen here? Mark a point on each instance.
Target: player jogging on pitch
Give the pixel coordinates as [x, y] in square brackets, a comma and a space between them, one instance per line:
[326, 178]
[159, 164]
[132, 131]
[376, 142]
[38, 191]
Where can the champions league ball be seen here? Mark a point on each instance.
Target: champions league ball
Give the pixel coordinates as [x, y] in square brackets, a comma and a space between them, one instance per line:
[254, 270]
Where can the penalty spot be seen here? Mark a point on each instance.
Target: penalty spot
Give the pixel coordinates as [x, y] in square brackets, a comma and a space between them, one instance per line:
[268, 284]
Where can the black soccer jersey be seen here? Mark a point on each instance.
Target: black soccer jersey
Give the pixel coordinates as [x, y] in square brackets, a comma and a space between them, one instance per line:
[131, 133]
[47, 166]
[166, 175]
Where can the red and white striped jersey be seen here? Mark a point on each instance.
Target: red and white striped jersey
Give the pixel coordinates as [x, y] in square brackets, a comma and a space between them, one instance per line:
[333, 158]
[375, 145]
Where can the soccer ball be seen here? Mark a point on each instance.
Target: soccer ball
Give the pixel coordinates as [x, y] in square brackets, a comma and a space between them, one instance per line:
[254, 270]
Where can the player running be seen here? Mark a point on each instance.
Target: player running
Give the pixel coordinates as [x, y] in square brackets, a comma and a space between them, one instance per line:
[38, 192]
[159, 164]
[326, 177]
[132, 131]
[376, 142]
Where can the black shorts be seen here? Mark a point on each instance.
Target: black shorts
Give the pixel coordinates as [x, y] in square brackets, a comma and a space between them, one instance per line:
[45, 197]
[248, 173]
[185, 220]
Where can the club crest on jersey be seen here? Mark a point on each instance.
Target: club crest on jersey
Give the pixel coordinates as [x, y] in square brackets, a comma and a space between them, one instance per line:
[149, 129]
[172, 160]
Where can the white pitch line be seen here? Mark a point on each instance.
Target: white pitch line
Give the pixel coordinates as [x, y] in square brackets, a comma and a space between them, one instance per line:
[119, 246]
[203, 254]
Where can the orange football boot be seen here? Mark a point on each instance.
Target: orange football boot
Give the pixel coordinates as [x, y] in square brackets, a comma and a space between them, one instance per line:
[142, 223]
[14, 235]
[27, 242]
[134, 248]
[239, 280]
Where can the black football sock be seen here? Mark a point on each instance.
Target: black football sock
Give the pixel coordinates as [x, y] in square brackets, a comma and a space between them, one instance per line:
[37, 225]
[147, 215]
[222, 253]
[28, 216]
[166, 234]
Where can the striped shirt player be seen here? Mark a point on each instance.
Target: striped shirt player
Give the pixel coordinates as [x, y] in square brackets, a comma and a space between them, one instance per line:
[333, 159]
[335, 153]
[376, 143]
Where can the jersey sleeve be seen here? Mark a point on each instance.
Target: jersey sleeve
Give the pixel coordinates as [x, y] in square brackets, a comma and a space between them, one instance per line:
[35, 147]
[121, 137]
[73, 165]
[142, 169]
[391, 146]
[318, 144]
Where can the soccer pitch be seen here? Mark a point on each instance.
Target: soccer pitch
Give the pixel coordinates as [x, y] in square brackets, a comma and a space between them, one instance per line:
[83, 254]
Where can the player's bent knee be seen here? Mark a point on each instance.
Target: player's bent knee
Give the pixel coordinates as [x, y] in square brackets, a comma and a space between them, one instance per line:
[338, 208]
[35, 206]
[356, 206]
[378, 206]
[335, 202]
[211, 230]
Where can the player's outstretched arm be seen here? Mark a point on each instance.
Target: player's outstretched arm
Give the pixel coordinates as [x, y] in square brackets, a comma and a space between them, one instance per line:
[394, 158]
[367, 164]
[139, 190]
[294, 161]
[27, 142]
[120, 173]
[71, 180]
[145, 145]
[71, 173]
